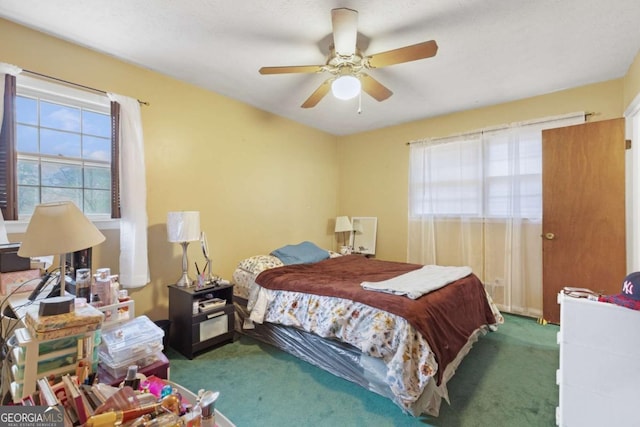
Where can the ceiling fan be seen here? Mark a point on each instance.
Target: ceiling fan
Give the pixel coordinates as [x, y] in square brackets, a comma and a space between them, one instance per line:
[347, 64]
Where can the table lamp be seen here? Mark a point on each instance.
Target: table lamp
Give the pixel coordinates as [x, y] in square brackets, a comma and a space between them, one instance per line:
[58, 228]
[343, 225]
[183, 227]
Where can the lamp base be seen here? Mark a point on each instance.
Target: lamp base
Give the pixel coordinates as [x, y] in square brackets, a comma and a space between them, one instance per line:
[184, 281]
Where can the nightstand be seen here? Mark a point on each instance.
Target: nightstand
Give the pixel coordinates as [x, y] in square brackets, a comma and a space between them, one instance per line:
[200, 318]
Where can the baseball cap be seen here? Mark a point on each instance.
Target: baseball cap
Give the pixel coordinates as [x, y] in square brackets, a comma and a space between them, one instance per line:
[630, 295]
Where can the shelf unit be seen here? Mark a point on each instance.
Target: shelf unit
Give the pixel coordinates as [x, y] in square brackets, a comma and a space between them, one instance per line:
[193, 329]
[30, 357]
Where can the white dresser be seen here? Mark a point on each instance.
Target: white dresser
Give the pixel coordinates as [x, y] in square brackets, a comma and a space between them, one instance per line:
[599, 375]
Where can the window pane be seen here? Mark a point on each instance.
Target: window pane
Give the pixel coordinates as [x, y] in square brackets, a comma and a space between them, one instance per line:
[53, 194]
[97, 202]
[531, 196]
[58, 116]
[26, 139]
[26, 110]
[455, 176]
[61, 175]
[497, 154]
[57, 143]
[499, 197]
[28, 198]
[531, 155]
[28, 172]
[96, 148]
[96, 124]
[98, 178]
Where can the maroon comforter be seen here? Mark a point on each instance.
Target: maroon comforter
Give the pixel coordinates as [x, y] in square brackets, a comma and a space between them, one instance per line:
[445, 317]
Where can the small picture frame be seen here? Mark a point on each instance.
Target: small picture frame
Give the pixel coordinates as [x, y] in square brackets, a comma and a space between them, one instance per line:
[363, 238]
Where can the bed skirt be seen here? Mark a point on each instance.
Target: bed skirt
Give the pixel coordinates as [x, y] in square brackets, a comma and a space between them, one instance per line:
[346, 361]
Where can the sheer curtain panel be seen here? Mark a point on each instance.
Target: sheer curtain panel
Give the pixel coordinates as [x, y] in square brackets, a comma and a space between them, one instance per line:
[134, 263]
[476, 200]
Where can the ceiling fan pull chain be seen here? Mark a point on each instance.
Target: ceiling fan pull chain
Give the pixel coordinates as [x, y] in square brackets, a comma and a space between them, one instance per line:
[360, 102]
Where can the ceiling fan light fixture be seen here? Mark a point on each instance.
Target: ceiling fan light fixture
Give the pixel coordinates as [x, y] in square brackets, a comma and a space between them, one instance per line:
[346, 87]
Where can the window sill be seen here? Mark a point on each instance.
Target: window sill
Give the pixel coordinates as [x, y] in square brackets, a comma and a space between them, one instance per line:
[102, 224]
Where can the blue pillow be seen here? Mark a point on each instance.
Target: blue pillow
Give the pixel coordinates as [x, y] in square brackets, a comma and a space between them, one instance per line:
[302, 253]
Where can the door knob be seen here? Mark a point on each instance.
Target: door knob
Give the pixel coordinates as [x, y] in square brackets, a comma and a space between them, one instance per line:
[549, 236]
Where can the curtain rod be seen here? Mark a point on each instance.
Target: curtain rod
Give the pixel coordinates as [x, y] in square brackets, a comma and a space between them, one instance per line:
[534, 121]
[75, 84]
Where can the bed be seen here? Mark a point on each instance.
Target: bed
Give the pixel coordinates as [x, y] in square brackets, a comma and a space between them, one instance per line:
[402, 348]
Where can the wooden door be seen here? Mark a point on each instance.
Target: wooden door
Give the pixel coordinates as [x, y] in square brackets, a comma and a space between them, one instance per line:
[583, 219]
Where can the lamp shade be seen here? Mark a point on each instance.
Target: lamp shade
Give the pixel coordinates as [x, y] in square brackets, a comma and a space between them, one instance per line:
[58, 228]
[343, 224]
[183, 226]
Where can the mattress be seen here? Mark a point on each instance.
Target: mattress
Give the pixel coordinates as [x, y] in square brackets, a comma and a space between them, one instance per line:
[346, 361]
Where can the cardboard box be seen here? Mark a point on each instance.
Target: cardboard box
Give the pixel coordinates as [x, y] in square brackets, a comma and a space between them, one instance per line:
[13, 280]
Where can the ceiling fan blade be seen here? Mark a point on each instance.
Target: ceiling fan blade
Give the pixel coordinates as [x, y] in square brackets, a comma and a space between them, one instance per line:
[374, 88]
[319, 93]
[292, 69]
[345, 30]
[404, 54]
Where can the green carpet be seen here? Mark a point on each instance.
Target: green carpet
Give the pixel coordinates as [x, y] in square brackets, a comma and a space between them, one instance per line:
[508, 379]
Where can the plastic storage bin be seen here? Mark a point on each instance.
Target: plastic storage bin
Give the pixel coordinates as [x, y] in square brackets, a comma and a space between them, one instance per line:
[120, 369]
[130, 340]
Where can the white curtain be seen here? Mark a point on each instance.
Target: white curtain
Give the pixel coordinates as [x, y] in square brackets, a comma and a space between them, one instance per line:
[134, 262]
[476, 200]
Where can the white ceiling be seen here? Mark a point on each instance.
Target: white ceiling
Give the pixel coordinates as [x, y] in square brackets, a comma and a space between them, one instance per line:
[490, 51]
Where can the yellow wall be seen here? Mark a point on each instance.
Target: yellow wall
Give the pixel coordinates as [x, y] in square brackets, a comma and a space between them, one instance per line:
[259, 181]
[632, 82]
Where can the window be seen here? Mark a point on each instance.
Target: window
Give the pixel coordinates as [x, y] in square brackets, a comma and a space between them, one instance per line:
[63, 143]
[489, 174]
